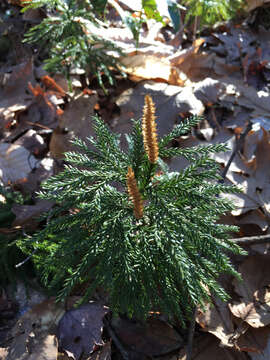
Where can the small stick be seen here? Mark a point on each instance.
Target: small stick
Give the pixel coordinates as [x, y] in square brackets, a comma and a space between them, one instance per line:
[252, 240]
[238, 145]
[191, 334]
[195, 27]
[25, 260]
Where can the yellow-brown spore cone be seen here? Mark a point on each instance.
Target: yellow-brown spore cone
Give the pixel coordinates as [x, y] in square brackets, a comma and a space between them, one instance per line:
[149, 130]
[134, 194]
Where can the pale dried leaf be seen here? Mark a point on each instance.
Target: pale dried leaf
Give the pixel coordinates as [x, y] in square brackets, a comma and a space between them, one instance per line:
[254, 306]
[15, 163]
[3, 353]
[165, 96]
[249, 312]
[247, 96]
[151, 67]
[217, 320]
[264, 122]
[208, 90]
[253, 4]
[255, 186]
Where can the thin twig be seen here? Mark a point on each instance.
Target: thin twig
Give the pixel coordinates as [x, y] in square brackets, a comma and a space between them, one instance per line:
[115, 339]
[25, 260]
[238, 145]
[191, 334]
[252, 240]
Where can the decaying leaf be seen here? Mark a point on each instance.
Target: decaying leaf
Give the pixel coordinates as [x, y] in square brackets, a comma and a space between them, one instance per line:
[255, 172]
[104, 353]
[150, 67]
[28, 214]
[170, 102]
[253, 4]
[249, 339]
[76, 121]
[33, 335]
[217, 320]
[32, 142]
[80, 330]
[254, 305]
[13, 92]
[255, 217]
[263, 355]
[15, 163]
[155, 338]
[3, 353]
[207, 348]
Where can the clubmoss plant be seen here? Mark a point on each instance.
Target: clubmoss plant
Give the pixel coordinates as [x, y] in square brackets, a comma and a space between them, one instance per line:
[67, 35]
[125, 222]
[212, 11]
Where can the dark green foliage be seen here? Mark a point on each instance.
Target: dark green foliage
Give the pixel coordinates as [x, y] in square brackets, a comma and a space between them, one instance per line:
[150, 9]
[212, 11]
[10, 254]
[67, 37]
[166, 261]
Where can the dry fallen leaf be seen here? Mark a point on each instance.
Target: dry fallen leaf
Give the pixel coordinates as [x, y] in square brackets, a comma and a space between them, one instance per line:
[254, 304]
[76, 121]
[26, 215]
[217, 320]
[33, 334]
[207, 347]
[254, 177]
[3, 353]
[263, 355]
[253, 4]
[15, 163]
[255, 217]
[104, 353]
[170, 101]
[151, 67]
[32, 142]
[80, 330]
[154, 338]
[13, 93]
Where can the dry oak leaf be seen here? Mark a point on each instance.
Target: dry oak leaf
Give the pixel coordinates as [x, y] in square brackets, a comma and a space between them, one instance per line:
[151, 67]
[80, 330]
[75, 122]
[254, 306]
[13, 92]
[256, 190]
[217, 320]
[33, 337]
[153, 338]
[207, 347]
[253, 4]
[263, 355]
[15, 163]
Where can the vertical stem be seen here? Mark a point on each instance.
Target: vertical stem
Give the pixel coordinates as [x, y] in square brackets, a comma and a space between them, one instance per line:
[195, 27]
[191, 334]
